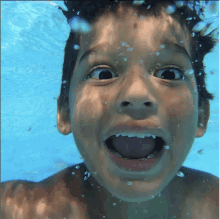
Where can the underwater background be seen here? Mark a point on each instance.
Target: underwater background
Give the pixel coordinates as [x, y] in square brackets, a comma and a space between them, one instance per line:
[33, 37]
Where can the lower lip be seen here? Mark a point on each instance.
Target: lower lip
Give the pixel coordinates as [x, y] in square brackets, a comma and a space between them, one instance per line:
[135, 164]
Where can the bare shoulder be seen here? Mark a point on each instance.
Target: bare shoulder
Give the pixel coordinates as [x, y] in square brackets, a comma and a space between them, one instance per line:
[201, 194]
[55, 197]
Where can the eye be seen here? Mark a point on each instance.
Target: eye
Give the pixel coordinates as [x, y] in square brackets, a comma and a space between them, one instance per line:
[171, 74]
[102, 73]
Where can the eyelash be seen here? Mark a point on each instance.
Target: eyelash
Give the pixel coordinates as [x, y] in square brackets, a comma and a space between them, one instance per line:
[161, 69]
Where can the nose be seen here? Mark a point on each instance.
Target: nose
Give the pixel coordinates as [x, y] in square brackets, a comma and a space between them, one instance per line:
[137, 98]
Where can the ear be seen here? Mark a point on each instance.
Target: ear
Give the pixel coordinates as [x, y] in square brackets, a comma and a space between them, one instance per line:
[204, 111]
[63, 118]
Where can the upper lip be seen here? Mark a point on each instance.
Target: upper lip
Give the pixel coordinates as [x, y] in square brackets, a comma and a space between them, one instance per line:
[136, 129]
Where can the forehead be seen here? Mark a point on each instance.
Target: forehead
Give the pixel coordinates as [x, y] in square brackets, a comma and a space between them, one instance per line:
[140, 32]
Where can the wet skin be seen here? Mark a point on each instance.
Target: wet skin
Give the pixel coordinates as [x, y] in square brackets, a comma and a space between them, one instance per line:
[97, 105]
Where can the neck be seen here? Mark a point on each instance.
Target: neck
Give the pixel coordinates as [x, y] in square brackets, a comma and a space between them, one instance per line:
[111, 206]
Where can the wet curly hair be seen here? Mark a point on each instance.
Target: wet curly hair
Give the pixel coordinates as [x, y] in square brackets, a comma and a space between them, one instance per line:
[92, 10]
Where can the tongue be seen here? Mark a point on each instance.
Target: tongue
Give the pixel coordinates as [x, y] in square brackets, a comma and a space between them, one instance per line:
[133, 147]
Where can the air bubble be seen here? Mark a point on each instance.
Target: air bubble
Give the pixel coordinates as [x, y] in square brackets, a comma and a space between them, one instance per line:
[64, 81]
[138, 2]
[150, 71]
[73, 173]
[158, 65]
[124, 44]
[114, 204]
[166, 147]
[157, 53]
[76, 47]
[78, 24]
[77, 167]
[180, 174]
[190, 72]
[85, 178]
[180, 4]
[78, 12]
[125, 59]
[148, 6]
[162, 46]
[130, 49]
[152, 196]
[129, 183]
[170, 9]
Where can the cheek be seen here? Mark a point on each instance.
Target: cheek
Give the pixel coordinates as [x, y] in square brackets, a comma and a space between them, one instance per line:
[87, 111]
[181, 105]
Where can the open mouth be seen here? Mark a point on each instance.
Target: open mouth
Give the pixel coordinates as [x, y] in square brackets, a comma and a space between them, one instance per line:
[158, 146]
[137, 158]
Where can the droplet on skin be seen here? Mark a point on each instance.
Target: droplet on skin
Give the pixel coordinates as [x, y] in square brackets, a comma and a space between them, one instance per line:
[124, 44]
[189, 72]
[129, 183]
[125, 59]
[158, 65]
[162, 46]
[166, 147]
[77, 167]
[130, 49]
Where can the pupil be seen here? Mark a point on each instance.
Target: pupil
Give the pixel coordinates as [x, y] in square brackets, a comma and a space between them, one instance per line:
[168, 74]
[103, 74]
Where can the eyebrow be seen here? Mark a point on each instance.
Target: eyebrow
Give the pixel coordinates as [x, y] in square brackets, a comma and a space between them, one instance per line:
[178, 48]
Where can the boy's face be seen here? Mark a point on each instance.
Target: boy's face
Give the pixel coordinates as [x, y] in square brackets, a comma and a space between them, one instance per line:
[97, 105]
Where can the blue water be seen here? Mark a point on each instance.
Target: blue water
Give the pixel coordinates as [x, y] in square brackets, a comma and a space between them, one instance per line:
[33, 37]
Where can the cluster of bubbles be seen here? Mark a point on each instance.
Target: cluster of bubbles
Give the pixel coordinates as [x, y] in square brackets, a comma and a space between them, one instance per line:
[209, 16]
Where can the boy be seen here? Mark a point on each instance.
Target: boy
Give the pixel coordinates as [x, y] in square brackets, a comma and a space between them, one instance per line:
[134, 130]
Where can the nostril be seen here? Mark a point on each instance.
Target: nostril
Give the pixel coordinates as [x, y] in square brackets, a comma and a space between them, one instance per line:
[147, 103]
[125, 103]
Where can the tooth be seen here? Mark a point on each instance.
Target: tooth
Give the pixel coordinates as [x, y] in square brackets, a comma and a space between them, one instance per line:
[142, 159]
[150, 156]
[136, 135]
[117, 154]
